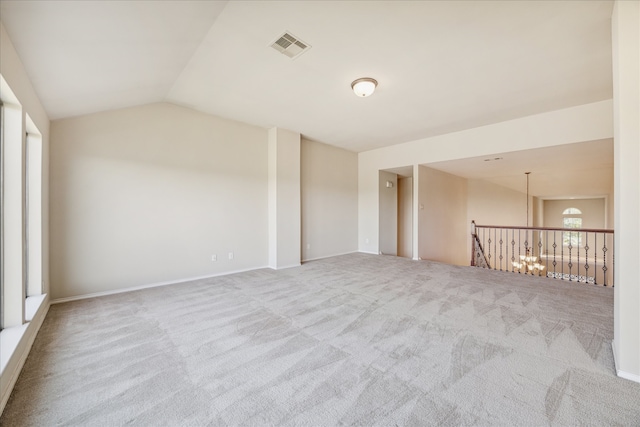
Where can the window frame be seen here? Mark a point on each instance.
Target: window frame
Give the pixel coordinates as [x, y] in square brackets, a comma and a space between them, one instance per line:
[572, 239]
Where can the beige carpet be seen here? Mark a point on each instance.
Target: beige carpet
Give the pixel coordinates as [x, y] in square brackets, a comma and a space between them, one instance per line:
[356, 340]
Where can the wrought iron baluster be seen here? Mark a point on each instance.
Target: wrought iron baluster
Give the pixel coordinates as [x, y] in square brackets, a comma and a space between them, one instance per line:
[513, 249]
[489, 248]
[494, 243]
[554, 263]
[604, 261]
[484, 243]
[546, 251]
[570, 265]
[495, 246]
[578, 259]
[595, 259]
[519, 255]
[539, 250]
[562, 256]
[501, 249]
[586, 257]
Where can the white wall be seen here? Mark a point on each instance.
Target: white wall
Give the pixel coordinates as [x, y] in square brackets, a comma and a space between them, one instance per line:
[442, 217]
[388, 211]
[329, 195]
[626, 95]
[148, 194]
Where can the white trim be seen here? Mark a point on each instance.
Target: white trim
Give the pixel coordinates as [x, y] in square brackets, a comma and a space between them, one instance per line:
[369, 252]
[628, 376]
[15, 345]
[31, 306]
[328, 256]
[622, 374]
[151, 285]
[285, 266]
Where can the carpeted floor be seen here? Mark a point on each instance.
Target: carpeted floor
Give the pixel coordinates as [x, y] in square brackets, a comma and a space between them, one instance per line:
[356, 339]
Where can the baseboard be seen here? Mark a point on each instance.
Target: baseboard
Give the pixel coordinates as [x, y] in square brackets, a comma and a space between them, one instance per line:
[328, 256]
[628, 376]
[622, 374]
[19, 356]
[151, 285]
[369, 252]
[282, 267]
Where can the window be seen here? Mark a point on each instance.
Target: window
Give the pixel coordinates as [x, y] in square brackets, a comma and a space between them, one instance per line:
[572, 219]
[20, 213]
[21, 208]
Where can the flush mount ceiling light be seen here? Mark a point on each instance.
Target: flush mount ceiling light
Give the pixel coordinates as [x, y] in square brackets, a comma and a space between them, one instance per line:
[364, 86]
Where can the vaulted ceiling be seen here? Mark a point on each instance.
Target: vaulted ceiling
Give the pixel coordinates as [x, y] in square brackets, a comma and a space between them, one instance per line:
[442, 66]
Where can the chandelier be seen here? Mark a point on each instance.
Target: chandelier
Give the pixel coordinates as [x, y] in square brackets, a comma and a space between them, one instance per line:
[528, 263]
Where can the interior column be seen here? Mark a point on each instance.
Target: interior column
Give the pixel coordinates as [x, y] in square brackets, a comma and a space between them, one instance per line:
[284, 198]
[626, 135]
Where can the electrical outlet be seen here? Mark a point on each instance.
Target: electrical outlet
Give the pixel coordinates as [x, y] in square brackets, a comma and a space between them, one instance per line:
[230, 255]
[366, 241]
[308, 245]
[214, 257]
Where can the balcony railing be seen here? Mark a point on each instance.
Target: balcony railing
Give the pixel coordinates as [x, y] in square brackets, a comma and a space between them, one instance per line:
[574, 254]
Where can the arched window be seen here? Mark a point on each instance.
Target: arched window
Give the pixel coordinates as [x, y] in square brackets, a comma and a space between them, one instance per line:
[572, 219]
[572, 211]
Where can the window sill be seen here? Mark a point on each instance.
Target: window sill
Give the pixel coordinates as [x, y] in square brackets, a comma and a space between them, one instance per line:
[10, 338]
[32, 305]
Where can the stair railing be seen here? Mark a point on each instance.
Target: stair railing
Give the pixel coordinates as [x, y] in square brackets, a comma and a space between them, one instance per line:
[575, 254]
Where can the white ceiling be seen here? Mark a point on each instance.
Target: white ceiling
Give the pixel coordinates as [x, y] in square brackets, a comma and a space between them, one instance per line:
[574, 170]
[441, 66]
[85, 57]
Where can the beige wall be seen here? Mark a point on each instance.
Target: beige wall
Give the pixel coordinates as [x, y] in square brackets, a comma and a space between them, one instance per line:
[587, 122]
[491, 204]
[388, 213]
[284, 198]
[405, 217]
[329, 194]
[593, 212]
[442, 222]
[148, 194]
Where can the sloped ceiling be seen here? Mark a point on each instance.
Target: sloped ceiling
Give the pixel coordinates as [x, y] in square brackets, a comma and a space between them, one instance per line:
[442, 66]
[89, 56]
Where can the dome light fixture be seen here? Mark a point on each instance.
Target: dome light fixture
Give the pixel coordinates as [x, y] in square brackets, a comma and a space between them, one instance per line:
[364, 86]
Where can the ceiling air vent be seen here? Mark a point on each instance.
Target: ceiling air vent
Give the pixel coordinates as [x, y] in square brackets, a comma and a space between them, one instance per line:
[289, 45]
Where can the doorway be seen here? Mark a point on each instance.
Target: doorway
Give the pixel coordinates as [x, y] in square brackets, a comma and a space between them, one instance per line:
[396, 212]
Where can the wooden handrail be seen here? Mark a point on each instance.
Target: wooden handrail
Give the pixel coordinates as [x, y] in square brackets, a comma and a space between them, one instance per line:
[572, 230]
[583, 255]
